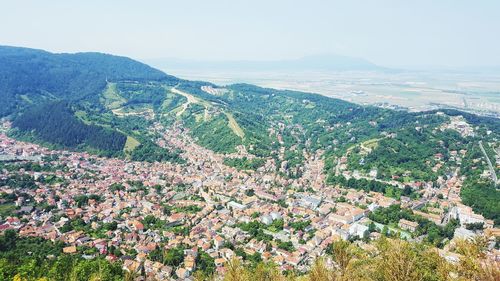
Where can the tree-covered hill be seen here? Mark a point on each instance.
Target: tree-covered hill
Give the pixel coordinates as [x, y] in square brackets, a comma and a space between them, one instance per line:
[42, 92]
[115, 105]
[55, 123]
[28, 76]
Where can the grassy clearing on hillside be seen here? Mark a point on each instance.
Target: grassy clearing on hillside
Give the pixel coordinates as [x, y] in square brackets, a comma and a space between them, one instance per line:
[26, 99]
[143, 110]
[235, 127]
[111, 99]
[199, 118]
[130, 144]
[82, 115]
[172, 102]
[372, 144]
[7, 209]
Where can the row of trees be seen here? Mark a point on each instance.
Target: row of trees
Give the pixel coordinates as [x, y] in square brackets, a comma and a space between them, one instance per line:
[372, 185]
[434, 234]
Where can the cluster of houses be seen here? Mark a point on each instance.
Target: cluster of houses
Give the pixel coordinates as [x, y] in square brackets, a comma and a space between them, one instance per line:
[199, 206]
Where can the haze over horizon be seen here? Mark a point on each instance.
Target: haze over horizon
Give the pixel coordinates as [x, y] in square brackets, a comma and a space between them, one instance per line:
[392, 33]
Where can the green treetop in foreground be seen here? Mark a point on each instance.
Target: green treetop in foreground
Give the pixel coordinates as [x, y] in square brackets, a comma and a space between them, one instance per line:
[384, 259]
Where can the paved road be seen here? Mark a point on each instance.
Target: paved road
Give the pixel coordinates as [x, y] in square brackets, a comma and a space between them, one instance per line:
[492, 170]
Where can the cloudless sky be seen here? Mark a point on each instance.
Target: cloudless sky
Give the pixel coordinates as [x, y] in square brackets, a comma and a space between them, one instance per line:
[393, 33]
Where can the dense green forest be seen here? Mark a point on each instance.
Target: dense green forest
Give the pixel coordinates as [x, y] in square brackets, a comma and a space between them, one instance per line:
[214, 133]
[26, 258]
[55, 123]
[28, 76]
[410, 154]
[478, 192]
[255, 109]
[151, 152]
[140, 93]
[372, 185]
[244, 163]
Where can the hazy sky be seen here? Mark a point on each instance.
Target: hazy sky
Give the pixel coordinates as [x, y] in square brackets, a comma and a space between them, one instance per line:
[390, 33]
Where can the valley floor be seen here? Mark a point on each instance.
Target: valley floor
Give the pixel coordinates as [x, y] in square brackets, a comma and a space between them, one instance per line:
[174, 219]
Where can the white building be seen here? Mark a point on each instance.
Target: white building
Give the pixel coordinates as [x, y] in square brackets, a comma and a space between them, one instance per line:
[357, 229]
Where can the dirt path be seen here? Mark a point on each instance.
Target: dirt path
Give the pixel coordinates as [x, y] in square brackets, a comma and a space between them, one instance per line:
[190, 99]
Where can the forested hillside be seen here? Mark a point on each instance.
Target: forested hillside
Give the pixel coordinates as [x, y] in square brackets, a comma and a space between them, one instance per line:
[28, 76]
[49, 88]
[56, 123]
[119, 107]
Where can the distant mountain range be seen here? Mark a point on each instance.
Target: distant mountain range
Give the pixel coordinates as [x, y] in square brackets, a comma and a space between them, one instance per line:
[308, 63]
